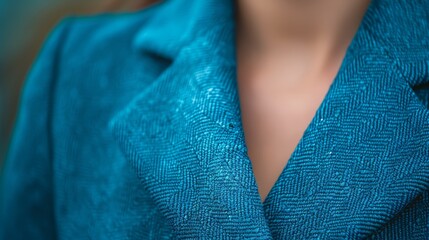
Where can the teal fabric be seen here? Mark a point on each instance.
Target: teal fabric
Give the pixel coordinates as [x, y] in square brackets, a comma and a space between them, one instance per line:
[129, 128]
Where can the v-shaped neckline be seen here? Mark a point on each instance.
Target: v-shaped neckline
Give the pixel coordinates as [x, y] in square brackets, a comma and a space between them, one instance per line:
[316, 118]
[183, 137]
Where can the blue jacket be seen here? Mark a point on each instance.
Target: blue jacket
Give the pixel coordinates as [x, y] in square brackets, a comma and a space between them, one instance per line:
[129, 128]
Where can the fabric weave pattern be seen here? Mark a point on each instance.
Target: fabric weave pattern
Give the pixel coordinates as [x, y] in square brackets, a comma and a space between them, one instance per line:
[139, 135]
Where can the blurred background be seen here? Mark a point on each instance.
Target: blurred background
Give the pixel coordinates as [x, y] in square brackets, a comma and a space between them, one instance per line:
[23, 28]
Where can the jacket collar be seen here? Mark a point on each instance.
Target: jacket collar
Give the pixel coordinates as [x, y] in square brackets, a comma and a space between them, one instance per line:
[168, 32]
[361, 160]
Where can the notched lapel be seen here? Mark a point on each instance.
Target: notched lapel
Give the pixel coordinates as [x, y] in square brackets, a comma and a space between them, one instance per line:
[184, 138]
[360, 162]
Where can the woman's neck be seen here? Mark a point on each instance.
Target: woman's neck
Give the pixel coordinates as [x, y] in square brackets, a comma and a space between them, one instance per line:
[315, 30]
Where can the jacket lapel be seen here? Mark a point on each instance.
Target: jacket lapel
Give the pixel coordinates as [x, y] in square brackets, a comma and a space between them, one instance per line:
[183, 136]
[361, 160]
[365, 155]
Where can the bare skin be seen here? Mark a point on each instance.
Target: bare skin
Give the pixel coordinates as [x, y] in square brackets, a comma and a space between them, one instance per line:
[288, 54]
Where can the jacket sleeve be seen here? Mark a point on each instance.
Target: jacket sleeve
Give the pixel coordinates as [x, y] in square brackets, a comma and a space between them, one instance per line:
[26, 193]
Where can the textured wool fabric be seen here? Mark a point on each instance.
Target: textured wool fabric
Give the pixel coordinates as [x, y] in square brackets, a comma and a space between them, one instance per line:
[129, 128]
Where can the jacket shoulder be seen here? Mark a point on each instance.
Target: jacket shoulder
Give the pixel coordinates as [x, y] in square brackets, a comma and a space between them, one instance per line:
[99, 70]
[101, 47]
[93, 32]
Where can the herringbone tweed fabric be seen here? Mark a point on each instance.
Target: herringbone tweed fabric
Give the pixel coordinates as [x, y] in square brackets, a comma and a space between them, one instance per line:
[130, 128]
